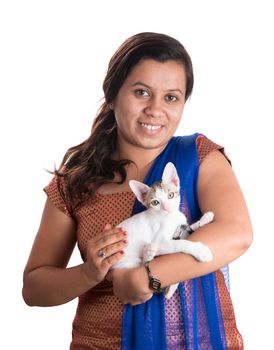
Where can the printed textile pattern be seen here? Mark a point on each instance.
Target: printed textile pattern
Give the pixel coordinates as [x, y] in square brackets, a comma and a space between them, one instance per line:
[99, 312]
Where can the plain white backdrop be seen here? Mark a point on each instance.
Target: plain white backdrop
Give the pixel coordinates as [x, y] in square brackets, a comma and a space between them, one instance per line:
[53, 59]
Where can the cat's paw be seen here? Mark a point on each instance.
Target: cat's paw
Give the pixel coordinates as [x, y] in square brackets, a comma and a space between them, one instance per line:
[149, 251]
[202, 252]
[206, 218]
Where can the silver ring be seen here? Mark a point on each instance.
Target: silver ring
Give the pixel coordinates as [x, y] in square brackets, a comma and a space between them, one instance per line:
[101, 253]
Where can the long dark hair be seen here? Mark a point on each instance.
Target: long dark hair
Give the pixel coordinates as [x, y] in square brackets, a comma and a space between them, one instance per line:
[88, 165]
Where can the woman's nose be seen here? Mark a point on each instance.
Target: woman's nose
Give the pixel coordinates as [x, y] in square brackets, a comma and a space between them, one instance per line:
[154, 108]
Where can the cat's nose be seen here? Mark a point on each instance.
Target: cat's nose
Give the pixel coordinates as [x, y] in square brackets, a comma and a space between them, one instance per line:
[166, 208]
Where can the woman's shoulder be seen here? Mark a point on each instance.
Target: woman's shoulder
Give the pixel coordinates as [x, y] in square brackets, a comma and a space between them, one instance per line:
[56, 192]
[205, 146]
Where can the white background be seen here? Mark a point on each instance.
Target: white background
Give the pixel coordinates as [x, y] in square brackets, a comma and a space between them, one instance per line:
[53, 60]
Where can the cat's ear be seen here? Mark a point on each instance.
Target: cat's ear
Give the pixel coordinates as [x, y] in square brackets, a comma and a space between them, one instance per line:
[170, 175]
[140, 190]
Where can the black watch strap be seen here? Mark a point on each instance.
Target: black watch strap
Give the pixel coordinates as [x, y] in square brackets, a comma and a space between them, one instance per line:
[154, 283]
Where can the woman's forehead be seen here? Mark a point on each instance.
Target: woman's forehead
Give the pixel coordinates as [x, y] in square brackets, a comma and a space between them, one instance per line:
[169, 74]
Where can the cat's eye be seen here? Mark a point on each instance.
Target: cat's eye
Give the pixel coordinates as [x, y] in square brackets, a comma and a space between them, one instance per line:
[170, 195]
[154, 202]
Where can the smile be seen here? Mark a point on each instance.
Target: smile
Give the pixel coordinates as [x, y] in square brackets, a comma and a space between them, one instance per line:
[150, 126]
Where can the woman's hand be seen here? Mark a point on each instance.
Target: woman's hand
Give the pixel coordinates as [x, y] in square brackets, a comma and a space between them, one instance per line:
[130, 285]
[110, 244]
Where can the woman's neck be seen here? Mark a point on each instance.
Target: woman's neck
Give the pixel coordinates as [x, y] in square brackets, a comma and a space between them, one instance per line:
[136, 170]
[142, 158]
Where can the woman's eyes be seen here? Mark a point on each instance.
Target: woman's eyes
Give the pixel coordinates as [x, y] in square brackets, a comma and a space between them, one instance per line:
[171, 98]
[145, 93]
[142, 92]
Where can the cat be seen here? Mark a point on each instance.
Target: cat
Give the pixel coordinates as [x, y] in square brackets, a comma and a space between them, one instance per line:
[161, 228]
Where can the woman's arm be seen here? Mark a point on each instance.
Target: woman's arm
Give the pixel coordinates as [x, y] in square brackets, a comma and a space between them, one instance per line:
[47, 281]
[228, 236]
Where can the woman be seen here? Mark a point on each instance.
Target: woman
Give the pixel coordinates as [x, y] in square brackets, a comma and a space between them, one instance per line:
[148, 81]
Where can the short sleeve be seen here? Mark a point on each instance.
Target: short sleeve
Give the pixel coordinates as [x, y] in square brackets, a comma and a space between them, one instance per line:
[55, 191]
[205, 146]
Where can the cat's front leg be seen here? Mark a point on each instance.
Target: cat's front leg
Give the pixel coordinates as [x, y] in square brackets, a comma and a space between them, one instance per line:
[198, 250]
[205, 219]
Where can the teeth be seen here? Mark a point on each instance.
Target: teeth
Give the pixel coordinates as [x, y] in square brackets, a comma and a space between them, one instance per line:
[151, 127]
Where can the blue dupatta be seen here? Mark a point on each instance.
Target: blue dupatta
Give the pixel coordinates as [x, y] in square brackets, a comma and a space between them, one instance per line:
[143, 326]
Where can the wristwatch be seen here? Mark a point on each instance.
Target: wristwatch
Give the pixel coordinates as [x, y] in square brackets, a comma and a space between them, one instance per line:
[153, 283]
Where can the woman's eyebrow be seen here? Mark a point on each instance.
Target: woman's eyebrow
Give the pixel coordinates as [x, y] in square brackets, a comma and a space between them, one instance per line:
[149, 87]
[140, 83]
[176, 90]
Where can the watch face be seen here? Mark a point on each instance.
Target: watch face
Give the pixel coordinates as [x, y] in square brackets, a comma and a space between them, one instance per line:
[155, 284]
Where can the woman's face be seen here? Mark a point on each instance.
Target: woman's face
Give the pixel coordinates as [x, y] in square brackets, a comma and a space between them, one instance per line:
[149, 105]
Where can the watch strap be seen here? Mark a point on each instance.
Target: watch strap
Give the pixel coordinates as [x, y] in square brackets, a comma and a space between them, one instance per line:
[154, 283]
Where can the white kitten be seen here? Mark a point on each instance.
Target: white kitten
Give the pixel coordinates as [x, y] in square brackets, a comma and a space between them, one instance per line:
[156, 230]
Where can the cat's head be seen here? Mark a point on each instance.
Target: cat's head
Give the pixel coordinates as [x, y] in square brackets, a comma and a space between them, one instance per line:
[162, 196]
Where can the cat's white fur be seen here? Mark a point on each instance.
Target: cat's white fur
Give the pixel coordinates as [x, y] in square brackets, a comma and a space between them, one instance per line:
[151, 232]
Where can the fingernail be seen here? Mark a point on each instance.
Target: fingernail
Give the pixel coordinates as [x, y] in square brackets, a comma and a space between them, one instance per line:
[125, 241]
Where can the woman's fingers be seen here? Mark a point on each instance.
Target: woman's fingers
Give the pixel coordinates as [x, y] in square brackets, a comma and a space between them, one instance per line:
[106, 251]
[109, 236]
[112, 241]
[103, 251]
[109, 261]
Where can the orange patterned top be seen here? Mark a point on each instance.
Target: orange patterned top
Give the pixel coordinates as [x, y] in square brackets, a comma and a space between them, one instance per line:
[97, 323]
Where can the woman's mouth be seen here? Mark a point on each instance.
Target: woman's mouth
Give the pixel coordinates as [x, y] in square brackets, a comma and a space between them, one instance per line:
[151, 127]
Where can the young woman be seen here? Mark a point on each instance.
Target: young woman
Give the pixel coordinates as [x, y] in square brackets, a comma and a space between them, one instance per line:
[148, 81]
